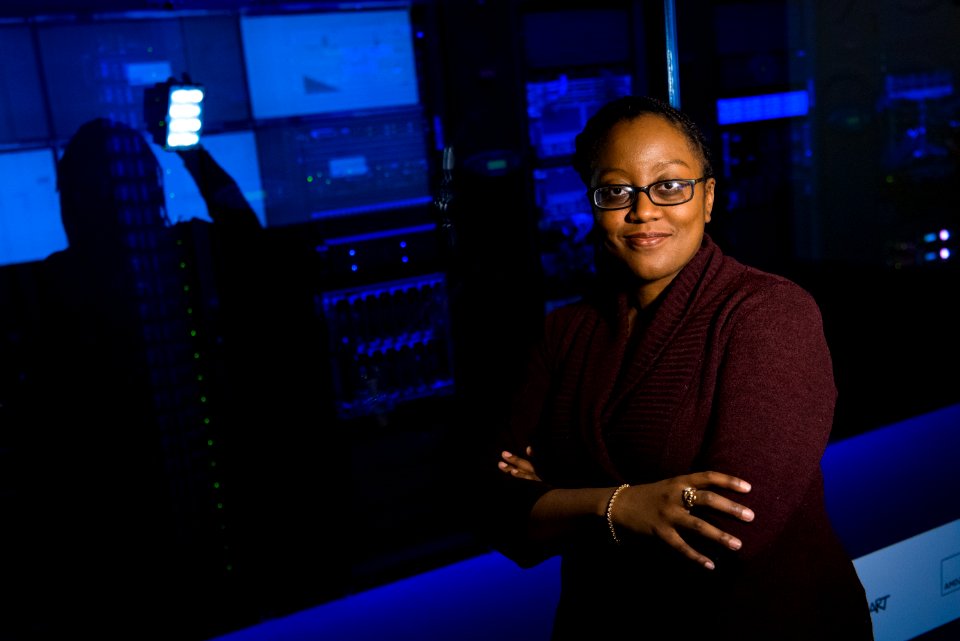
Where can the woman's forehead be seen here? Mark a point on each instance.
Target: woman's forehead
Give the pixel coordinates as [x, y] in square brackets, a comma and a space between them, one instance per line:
[650, 140]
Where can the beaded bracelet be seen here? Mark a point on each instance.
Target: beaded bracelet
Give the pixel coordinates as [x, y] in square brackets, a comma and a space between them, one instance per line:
[613, 497]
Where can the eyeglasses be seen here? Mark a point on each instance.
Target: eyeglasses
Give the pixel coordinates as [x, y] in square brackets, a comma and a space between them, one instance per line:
[663, 193]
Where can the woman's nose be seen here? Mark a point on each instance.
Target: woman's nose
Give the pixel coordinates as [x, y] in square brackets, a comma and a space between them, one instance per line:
[642, 209]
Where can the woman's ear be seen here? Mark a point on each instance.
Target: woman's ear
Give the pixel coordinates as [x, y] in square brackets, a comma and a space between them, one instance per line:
[708, 194]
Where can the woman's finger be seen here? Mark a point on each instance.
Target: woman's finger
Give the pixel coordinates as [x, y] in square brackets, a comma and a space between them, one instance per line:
[523, 464]
[518, 462]
[718, 479]
[517, 466]
[708, 531]
[714, 501]
[673, 539]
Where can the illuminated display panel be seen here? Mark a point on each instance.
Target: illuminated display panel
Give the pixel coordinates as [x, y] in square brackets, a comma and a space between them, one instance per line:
[344, 166]
[785, 104]
[22, 111]
[236, 152]
[100, 69]
[30, 226]
[319, 63]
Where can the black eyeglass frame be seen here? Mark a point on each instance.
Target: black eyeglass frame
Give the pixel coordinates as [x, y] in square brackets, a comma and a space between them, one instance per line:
[635, 192]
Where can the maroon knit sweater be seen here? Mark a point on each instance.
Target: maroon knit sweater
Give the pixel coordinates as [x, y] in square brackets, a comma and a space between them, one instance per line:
[728, 371]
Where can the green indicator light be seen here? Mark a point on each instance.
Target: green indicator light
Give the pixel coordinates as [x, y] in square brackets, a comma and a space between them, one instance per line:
[206, 421]
[186, 288]
[219, 506]
[309, 179]
[189, 310]
[203, 399]
[196, 356]
[216, 485]
[210, 442]
[183, 264]
[193, 332]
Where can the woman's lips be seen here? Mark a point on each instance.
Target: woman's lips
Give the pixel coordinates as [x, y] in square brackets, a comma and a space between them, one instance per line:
[645, 240]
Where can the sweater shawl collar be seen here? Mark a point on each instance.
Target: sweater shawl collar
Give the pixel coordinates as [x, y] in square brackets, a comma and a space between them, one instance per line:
[607, 381]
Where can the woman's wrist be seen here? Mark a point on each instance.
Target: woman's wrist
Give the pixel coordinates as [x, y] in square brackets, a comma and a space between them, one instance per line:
[609, 512]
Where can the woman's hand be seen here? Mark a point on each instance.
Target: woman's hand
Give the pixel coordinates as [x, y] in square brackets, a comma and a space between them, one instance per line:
[658, 509]
[517, 466]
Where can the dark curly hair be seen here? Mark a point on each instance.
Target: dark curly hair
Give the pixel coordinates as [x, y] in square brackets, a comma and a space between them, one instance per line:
[590, 141]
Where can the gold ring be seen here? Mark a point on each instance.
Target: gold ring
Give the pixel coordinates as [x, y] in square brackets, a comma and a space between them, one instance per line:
[689, 497]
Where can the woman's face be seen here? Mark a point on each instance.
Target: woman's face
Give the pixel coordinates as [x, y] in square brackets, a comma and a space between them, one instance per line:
[653, 241]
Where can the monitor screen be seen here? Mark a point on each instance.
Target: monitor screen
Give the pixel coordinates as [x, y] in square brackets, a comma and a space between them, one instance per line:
[345, 165]
[318, 63]
[30, 226]
[100, 69]
[236, 152]
[22, 112]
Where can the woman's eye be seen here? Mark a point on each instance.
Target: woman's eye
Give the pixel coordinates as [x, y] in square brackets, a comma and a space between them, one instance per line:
[669, 185]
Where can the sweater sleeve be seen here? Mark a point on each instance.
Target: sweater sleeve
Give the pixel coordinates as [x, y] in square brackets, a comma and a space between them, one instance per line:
[773, 411]
[505, 501]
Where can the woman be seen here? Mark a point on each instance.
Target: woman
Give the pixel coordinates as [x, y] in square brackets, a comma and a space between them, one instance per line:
[675, 419]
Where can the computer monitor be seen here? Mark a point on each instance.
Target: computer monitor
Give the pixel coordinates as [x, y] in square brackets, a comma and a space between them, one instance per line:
[22, 111]
[30, 226]
[302, 64]
[236, 152]
[344, 165]
[101, 68]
